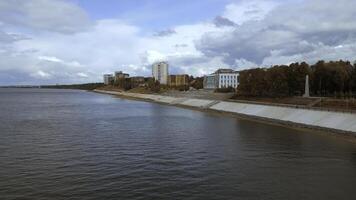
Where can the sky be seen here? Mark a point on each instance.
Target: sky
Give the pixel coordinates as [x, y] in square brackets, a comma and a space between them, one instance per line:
[77, 41]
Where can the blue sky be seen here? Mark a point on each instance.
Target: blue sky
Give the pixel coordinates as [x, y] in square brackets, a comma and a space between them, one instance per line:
[157, 14]
[76, 41]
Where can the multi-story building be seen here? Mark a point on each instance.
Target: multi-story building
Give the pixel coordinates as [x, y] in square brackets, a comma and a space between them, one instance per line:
[227, 78]
[222, 78]
[160, 72]
[120, 75]
[108, 79]
[209, 81]
[137, 81]
[178, 80]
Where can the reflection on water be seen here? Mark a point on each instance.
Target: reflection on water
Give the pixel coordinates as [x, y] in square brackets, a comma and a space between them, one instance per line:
[57, 144]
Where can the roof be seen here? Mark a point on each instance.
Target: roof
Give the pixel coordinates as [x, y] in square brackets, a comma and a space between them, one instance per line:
[220, 71]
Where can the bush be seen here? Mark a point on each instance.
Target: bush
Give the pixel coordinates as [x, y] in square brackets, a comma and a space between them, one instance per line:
[154, 86]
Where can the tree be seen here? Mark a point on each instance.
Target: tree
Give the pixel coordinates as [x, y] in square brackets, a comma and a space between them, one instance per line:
[296, 78]
[277, 81]
[198, 83]
[353, 79]
[154, 85]
[252, 82]
[334, 78]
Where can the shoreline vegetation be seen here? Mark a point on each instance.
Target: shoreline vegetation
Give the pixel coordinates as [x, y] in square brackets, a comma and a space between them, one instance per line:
[86, 86]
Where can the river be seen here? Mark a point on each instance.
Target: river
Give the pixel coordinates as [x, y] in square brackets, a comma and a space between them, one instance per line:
[69, 144]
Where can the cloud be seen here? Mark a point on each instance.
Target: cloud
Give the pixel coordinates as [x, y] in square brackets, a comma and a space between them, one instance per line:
[180, 45]
[49, 15]
[307, 30]
[8, 38]
[41, 74]
[77, 57]
[222, 21]
[248, 10]
[49, 58]
[47, 47]
[165, 33]
[82, 75]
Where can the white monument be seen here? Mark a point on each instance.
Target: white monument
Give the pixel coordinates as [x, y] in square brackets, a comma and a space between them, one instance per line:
[306, 94]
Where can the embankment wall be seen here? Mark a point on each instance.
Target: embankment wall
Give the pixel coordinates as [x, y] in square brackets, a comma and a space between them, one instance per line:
[325, 120]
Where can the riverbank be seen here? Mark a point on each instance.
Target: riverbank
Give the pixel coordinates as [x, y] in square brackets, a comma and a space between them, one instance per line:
[332, 122]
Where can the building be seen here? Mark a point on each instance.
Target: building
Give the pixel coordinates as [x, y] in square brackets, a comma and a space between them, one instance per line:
[160, 72]
[137, 81]
[222, 78]
[181, 80]
[108, 79]
[120, 75]
[209, 81]
[227, 78]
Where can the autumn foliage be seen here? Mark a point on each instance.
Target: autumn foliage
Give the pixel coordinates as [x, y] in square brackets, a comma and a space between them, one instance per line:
[326, 79]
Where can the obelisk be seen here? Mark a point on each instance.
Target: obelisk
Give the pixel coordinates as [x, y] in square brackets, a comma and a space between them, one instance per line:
[306, 94]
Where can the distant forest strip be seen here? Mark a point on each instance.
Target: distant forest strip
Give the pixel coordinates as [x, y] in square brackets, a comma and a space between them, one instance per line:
[333, 79]
[87, 86]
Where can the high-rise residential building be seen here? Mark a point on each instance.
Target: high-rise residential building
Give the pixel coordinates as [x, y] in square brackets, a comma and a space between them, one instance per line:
[222, 78]
[108, 79]
[160, 72]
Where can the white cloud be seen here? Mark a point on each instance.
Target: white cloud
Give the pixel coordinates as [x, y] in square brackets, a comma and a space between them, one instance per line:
[82, 75]
[49, 58]
[300, 31]
[248, 10]
[41, 75]
[51, 48]
[48, 15]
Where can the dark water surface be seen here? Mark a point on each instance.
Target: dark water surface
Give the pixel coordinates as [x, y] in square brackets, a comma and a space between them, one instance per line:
[66, 144]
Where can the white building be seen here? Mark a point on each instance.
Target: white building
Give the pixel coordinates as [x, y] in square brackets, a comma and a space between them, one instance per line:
[227, 78]
[222, 78]
[108, 79]
[160, 72]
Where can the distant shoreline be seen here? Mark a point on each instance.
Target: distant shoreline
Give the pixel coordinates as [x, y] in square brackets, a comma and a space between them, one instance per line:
[232, 109]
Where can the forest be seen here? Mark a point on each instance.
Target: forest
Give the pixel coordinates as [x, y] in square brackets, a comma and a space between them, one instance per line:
[332, 79]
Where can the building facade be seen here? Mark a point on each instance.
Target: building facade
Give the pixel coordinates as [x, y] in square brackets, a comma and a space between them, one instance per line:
[178, 80]
[120, 75]
[108, 79]
[227, 78]
[137, 81]
[209, 81]
[222, 78]
[160, 72]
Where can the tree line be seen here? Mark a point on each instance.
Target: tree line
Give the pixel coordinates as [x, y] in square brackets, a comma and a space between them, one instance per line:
[334, 78]
[85, 86]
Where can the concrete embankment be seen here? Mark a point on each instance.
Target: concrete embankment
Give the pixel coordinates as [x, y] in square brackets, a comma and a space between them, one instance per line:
[324, 120]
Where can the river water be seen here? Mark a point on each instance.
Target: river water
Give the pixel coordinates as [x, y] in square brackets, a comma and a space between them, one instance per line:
[68, 144]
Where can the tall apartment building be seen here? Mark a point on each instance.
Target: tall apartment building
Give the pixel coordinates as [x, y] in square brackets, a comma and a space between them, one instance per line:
[222, 78]
[160, 72]
[108, 79]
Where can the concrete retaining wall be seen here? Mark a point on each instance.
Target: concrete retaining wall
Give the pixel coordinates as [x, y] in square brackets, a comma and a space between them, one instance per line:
[198, 103]
[344, 122]
[335, 121]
